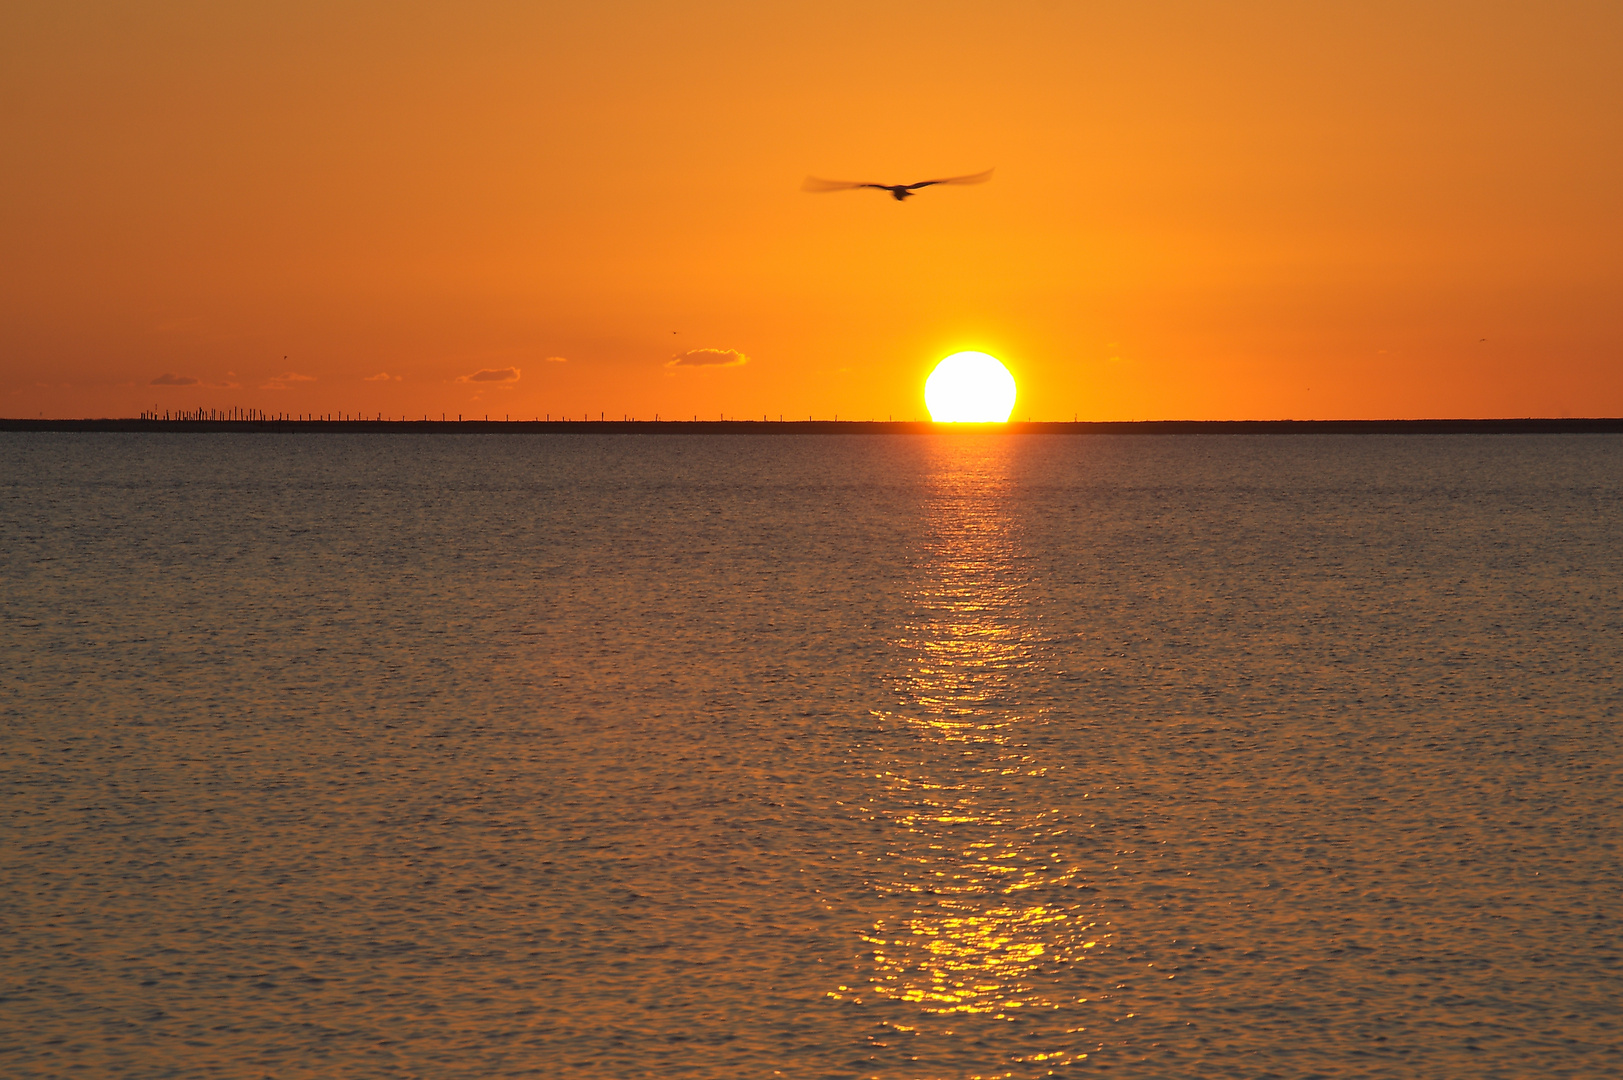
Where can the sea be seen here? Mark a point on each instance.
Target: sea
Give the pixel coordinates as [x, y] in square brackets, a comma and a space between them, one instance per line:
[837, 755]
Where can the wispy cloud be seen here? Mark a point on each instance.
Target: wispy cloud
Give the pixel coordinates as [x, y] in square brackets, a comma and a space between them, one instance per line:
[382, 376]
[281, 382]
[170, 379]
[504, 374]
[557, 359]
[708, 358]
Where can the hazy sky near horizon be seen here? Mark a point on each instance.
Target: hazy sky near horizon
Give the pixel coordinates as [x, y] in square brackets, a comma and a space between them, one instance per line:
[1202, 210]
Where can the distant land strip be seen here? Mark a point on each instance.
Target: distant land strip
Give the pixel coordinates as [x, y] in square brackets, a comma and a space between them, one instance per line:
[1525, 426]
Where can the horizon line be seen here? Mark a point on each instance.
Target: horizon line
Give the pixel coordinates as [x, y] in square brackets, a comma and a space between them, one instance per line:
[1432, 425]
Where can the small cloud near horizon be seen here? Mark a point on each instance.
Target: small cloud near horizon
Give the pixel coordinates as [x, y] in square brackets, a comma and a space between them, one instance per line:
[506, 374]
[382, 376]
[279, 382]
[702, 358]
[170, 379]
[557, 359]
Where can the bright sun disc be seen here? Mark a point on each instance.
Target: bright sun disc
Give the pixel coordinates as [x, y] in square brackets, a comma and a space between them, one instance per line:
[969, 388]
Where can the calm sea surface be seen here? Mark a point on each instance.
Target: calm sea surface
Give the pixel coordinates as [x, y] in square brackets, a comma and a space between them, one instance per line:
[823, 756]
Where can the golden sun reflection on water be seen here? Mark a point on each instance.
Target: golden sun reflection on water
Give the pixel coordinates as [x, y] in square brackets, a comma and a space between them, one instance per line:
[986, 919]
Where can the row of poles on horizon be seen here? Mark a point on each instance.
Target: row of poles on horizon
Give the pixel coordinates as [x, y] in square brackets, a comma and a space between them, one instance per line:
[261, 416]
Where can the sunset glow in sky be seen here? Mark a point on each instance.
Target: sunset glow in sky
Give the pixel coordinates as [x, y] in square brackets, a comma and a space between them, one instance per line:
[1200, 210]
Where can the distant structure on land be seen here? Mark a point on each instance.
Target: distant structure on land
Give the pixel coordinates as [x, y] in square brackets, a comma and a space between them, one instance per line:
[897, 191]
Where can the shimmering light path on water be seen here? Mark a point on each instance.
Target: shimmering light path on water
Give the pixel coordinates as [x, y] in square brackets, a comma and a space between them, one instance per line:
[902, 756]
[987, 921]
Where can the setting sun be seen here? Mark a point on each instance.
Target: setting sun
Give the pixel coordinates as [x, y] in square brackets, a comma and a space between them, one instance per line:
[969, 388]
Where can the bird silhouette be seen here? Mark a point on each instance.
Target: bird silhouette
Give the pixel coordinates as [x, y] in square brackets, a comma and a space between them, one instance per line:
[897, 191]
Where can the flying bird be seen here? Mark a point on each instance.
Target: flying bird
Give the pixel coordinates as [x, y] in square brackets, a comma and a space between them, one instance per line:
[897, 191]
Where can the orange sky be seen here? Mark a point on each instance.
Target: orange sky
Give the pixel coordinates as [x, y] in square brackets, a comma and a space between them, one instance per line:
[1201, 210]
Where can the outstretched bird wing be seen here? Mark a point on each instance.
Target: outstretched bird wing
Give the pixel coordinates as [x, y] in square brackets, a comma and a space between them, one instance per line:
[814, 183]
[975, 178]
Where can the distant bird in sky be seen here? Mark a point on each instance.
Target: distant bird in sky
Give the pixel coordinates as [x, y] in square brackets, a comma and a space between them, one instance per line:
[897, 191]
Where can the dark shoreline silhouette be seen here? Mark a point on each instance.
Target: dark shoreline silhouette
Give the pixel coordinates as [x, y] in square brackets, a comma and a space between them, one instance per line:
[1524, 426]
